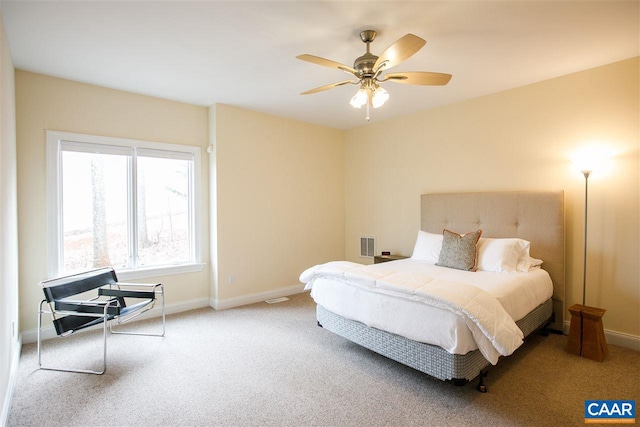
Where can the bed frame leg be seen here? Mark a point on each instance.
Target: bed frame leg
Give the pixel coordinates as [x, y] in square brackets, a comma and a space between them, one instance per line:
[481, 387]
[319, 324]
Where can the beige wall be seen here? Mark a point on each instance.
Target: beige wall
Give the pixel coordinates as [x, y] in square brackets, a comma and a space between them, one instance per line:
[521, 139]
[9, 341]
[47, 103]
[280, 200]
[280, 185]
[287, 195]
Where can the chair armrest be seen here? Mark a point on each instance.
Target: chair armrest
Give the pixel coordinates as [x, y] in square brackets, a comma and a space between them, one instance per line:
[154, 287]
[88, 307]
[126, 293]
[142, 285]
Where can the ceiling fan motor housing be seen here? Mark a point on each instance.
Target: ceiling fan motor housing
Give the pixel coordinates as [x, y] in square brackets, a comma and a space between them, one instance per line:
[364, 65]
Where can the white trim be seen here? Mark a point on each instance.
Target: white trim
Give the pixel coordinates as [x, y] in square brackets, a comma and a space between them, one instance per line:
[145, 273]
[218, 304]
[122, 142]
[620, 339]
[13, 378]
[54, 228]
[48, 332]
[623, 340]
[30, 336]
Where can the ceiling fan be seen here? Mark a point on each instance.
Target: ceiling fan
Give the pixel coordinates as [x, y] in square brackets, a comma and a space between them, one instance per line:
[368, 70]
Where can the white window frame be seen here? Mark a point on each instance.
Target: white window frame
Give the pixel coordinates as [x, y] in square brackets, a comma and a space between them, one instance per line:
[55, 239]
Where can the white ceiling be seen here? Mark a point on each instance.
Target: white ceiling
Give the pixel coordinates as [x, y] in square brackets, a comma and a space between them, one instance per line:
[242, 53]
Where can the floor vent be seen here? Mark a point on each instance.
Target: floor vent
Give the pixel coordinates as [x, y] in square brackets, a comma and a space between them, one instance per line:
[276, 300]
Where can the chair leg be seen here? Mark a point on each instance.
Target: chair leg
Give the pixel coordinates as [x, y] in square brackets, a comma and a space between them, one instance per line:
[161, 334]
[80, 371]
[38, 334]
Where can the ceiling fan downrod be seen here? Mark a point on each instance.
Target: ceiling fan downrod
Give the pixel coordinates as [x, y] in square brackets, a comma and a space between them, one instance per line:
[364, 64]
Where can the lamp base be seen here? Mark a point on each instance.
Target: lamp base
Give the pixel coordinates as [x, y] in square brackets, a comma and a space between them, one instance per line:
[586, 332]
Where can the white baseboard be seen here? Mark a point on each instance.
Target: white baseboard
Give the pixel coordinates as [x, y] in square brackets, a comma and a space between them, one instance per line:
[13, 376]
[31, 335]
[48, 332]
[620, 339]
[219, 304]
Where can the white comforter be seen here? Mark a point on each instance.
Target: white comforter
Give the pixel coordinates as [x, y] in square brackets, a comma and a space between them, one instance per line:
[480, 308]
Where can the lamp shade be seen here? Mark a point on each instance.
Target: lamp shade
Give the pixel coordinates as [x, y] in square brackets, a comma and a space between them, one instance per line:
[590, 158]
[380, 96]
[360, 98]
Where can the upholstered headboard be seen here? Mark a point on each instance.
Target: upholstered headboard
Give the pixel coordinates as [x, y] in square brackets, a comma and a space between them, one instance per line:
[536, 216]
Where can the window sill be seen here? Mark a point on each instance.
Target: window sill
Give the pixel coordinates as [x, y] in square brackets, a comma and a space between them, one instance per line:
[143, 273]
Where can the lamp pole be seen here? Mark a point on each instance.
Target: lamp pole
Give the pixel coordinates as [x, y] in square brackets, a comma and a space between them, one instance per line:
[584, 262]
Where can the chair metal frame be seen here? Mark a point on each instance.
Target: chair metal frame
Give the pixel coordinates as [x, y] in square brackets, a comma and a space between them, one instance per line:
[104, 311]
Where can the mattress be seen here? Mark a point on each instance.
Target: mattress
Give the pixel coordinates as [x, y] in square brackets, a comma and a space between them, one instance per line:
[395, 303]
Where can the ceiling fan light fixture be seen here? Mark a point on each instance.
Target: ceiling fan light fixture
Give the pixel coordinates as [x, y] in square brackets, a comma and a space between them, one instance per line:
[380, 96]
[360, 98]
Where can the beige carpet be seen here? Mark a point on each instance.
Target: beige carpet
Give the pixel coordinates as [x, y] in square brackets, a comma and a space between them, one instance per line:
[269, 364]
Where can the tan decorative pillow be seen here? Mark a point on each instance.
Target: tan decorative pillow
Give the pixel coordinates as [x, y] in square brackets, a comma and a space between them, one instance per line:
[459, 250]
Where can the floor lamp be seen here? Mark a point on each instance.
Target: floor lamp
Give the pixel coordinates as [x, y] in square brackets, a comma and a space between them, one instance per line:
[586, 173]
[586, 332]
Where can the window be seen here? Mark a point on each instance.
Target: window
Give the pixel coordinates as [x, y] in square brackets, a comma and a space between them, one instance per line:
[132, 205]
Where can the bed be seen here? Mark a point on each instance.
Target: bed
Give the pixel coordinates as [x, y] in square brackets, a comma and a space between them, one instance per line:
[383, 306]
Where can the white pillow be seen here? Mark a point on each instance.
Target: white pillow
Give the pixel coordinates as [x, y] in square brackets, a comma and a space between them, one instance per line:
[527, 263]
[503, 255]
[427, 247]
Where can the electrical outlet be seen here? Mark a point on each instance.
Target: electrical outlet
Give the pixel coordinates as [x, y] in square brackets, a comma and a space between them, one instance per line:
[231, 279]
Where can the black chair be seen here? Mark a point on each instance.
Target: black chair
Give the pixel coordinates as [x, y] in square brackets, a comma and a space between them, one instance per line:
[91, 298]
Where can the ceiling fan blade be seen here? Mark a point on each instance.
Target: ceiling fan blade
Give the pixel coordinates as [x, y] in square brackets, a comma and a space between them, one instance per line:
[400, 51]
[418, 78]
[327, 63]
[327, 87]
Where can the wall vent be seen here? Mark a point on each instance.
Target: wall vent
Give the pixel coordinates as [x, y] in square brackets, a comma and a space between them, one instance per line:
[367, 246]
